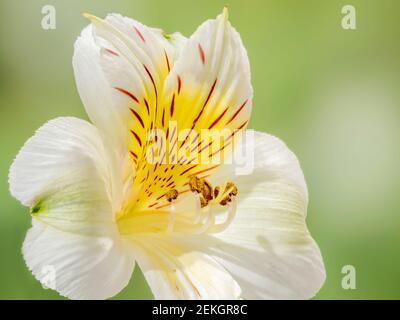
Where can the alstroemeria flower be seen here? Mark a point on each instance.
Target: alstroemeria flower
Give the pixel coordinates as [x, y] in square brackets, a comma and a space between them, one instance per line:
[98, 207]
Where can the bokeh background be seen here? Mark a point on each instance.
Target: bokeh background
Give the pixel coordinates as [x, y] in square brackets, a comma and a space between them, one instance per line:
[331, 94]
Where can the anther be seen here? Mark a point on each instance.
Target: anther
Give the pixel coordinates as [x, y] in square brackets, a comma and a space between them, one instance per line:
[195, 184]
[234, 190]
[208, 193]
[203, 202]
[207, 190]
[171, 195]
[216, 191]
[228, 194]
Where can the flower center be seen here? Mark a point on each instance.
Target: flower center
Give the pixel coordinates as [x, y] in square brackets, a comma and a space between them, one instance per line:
[197, 212]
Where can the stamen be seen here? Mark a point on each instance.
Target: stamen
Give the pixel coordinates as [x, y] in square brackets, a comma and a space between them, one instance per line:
[216, 191]
[207, 190]
[204, 218]
[170, 196]
[197, 218]
[220, 195]
[208, 223]
[202, 187]
[171, 218]
[234, 190]
[203, 201]
[195, 184]
[231, 215]
[230, 191]
[208, 194]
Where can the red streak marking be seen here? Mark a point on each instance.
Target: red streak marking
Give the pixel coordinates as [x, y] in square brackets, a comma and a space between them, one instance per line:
[202, 149]
[211, 155]
[152, 154]
[162, 206]
[237, 111]
[172, 105]
[166, 58]
[162, 119]
[195, 139]
[147, 106]
[112, 52]
[179, 84]
[152, 205]
[130, 95]
[184, 191]
[242, 125]
[195, 147]
[133, 154]
[137, 117]
[160, 197]
[188, 169]
[151, 78]
[218, 119]
[173, 133]
[155, 89]
[170, 184]
[173, 145]
[201, 53]
[231, 136]
[137, 137]
[162, 160]
[205, 103]
[190, 161]
[139, 34]
[205, 170]
[184, 141]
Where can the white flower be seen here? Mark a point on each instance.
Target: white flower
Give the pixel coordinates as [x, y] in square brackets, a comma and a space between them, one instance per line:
[98, 207]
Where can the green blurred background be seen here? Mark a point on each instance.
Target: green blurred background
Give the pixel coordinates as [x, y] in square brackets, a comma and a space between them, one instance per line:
[331, 94]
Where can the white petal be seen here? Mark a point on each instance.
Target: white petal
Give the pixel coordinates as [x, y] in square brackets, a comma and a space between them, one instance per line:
[78, 267]
[96, 93]
[62, 173]
[174, 271]
[120, 66]
[214, 88]
[267, 248]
